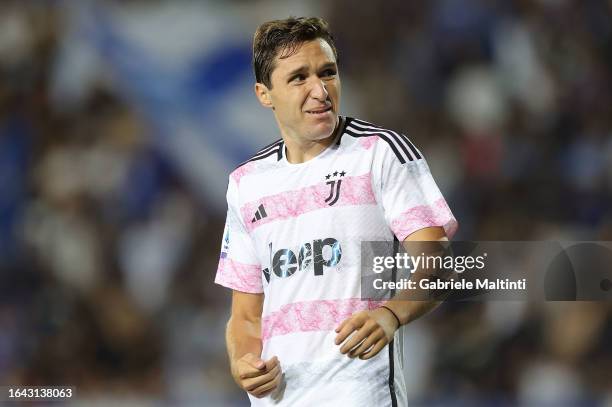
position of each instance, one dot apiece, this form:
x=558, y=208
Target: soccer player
x=299, y=333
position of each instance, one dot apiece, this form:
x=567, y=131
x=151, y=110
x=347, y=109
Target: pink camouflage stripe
x=239, y=276
x=355, y=190
x=422, y=216
x=311, y=316
x=240, y=172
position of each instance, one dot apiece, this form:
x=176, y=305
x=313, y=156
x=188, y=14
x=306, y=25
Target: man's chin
x=323, y=129
x=321, y=135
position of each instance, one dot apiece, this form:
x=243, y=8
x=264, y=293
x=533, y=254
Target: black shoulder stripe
x=405, y=144
x=399, y=139
x=347, y=121
x=268, y=154
x=274, y=148
x=415, y=150
x=367, y=124
x=267, y=148
x=394, y=136
x=359, y=133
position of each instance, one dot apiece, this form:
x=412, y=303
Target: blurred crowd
x=511, y=101
x=107, y=254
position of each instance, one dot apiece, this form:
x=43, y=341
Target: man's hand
x=256, y=376
x=371, y=330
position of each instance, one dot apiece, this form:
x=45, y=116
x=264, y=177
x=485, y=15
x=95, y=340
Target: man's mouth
x=319, y=111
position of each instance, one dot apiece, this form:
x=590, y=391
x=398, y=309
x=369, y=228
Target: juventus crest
x=334, y=182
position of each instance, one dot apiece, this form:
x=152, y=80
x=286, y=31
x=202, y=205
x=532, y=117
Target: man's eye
x=329, y=72
x=298, y=78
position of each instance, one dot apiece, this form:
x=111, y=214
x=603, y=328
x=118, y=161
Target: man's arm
x=408, y=311
x=243, y=338
x=375, y=328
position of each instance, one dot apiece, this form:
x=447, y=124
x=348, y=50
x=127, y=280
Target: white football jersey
x=293, y=232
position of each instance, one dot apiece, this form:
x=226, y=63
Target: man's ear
x=263, y=94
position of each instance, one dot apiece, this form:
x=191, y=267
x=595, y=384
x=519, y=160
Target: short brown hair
x=287, y=35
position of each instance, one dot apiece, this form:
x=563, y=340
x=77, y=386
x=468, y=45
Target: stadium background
x=120, y=120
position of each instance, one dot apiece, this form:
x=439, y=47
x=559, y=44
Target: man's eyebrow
x=329, y=65
x=297, y=70
x=304, y=68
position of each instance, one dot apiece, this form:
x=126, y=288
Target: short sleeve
x=410, y=198
x=238, y=267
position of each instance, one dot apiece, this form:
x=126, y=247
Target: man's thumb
x=254, y=361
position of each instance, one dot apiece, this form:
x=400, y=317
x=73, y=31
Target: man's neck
x=300, y=151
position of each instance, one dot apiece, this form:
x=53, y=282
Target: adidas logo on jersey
x=259, y=214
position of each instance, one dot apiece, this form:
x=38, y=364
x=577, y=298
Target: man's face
x=305, y=92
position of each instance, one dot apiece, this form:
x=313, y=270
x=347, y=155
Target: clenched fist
x=256, y=376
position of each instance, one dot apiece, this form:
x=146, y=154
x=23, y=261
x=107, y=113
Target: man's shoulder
x=270, y=155
x=369, y=134
x=271, y=152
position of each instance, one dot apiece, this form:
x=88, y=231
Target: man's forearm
x=412, y=305
x=242, y=336
x=408, y=311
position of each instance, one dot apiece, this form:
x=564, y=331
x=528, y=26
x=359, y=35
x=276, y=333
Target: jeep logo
x=284, y=262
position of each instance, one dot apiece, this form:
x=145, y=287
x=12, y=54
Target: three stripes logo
x=334, y=183
x=259, y=214
x=402, y=147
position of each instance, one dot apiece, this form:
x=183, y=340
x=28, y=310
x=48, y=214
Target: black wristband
x=392, y=313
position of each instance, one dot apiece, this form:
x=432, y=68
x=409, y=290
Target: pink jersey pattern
x=312, y=316
x=356, y=190
x=368, y=142
x=423, y=216
x=242, y=277
x=242, y=171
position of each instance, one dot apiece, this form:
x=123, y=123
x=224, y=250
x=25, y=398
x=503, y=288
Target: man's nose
x=318, y=90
